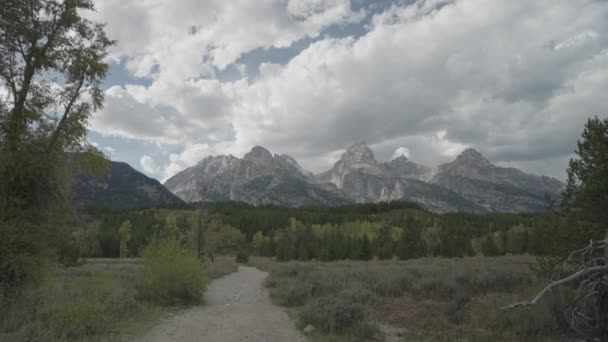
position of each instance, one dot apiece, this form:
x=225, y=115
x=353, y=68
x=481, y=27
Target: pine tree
x=586, y=191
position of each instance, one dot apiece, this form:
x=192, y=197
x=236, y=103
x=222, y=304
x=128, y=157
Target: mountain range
x=470, y=183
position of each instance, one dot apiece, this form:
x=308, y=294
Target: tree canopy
x=51, y=69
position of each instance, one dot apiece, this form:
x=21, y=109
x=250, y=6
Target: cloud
x=401, y=151
x=510, y=78
x=192, y=37
x=148, y=164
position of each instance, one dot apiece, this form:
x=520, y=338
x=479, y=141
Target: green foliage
x=267, y=218
x=171, y=274
x=365, y=253
x=145, y=225
x=242, y=257
x=87, y=239
x=66, y=249
x=431, y=236
x=516, y=239
x=222, y=238
x=77, y=304
x=262, y=244
x=23, y=254
x=41, y=126
x=125, y=236
x=81, y=319
x=587, y=187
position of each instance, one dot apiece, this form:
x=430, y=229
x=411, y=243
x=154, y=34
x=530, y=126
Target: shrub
x=333, y=314
x=242, y=257
x=80, y=319
x=391, y=284
x=171, y=274
x=297, y=294
x=74, y=305
x=539, y=321
x=455, y=312
x=359, y=294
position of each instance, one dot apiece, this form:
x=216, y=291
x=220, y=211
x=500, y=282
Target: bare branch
x=577, y=275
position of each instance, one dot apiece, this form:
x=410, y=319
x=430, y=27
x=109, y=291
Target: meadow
x=426, y=299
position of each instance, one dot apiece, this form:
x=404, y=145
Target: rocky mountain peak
x=469, y=183
x=359, y=153
x=472, y=157
x=400, y=159
x=402, y=167
x=259, y=154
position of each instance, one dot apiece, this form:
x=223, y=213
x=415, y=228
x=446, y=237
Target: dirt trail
x=237, y=308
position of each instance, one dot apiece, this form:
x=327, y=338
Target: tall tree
x=587, y=187
x=51, y=68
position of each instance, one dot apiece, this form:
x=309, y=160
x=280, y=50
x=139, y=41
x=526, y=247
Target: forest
x=359, y=232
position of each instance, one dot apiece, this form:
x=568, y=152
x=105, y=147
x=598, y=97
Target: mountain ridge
x=469, y=183
x=120, y=187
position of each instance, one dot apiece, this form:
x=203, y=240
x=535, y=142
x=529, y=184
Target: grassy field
x=96, y=301
x=428, y=299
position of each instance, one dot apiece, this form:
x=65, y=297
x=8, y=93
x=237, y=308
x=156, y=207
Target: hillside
x=121, y=187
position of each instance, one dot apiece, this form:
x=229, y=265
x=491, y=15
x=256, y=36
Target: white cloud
x=188, y=37
x=109, y=149
x=510, y=78
x=189, y=156
x=148, y=164
x=401, y=151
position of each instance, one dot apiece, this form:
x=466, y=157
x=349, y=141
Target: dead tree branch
x=587, y=270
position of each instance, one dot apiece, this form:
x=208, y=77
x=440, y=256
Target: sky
x=515, y=80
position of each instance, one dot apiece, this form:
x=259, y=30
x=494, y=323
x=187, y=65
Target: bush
x=455, y=312
x=392, y=284
x=80, y=319
x=171, y=274
x=297, y=294
x=359, y=294
x=74, y=305
x=242, y=257
x=333, y=314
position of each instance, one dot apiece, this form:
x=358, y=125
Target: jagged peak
x=258, y=153
x=472, y=156
x=359, y=153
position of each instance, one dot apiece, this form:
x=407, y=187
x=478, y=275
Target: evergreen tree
x=587, y=187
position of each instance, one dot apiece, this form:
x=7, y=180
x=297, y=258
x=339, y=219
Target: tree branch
x=66, y=113
x=574, y=276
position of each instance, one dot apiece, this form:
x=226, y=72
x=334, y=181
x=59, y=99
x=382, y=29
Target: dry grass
x=96, y=301
x=430, y=299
